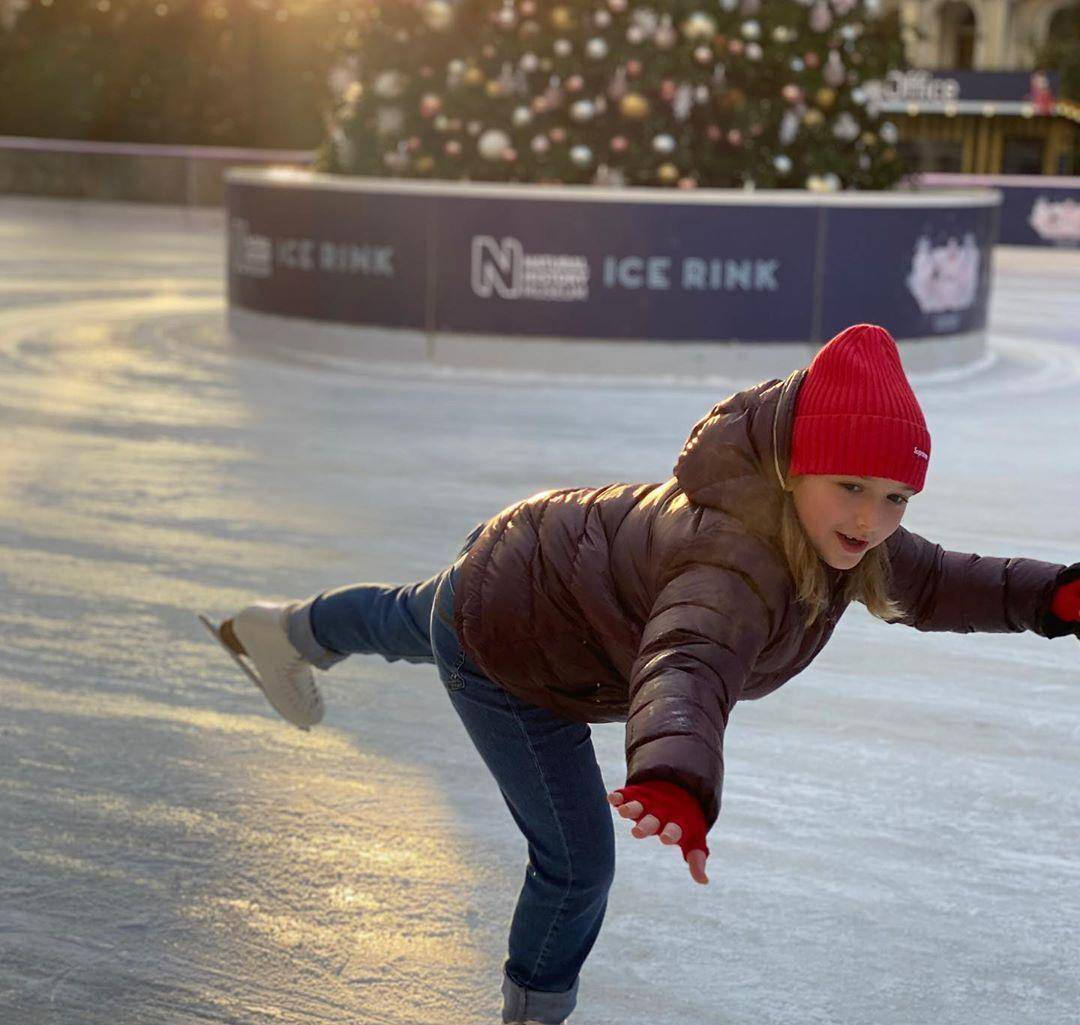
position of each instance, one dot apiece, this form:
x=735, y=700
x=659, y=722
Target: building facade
x=977, y=102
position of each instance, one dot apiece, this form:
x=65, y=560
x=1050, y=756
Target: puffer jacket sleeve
x=961, y=592
x=706, y=629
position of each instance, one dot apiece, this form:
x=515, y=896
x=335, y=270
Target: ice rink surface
x=899, y=838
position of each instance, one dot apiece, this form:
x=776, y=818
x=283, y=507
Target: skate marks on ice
x=163, y=863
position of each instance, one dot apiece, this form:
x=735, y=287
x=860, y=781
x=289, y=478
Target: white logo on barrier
x=503, y=269
x=1056, y=221
x=253, y=255
x=945, y=279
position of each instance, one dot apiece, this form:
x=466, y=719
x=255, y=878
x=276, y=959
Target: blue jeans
x=544, y=765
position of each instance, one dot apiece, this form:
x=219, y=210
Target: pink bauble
x=575, y=83
x=452, y=148
x=619, y=143
x=734, y=137
x=735, y=47
x=557, y=134
x=811, y=59
x=430, y=105
x=633, y=68
x=667, y=89
x=509, y=154
x=714, y=133
x=687, y=183
x=792, y=93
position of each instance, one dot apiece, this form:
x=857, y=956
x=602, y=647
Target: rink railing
x=471, y=272
x=142, y=172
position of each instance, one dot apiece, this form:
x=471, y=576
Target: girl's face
x=866, y=508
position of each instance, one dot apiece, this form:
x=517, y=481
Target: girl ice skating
x=660, y=605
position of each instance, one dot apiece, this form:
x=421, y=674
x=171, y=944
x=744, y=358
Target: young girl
x=660, y=605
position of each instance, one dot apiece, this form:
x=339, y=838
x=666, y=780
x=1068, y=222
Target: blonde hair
x=868, y=582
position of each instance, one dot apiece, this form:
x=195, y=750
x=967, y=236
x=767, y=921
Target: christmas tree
x=734, y=93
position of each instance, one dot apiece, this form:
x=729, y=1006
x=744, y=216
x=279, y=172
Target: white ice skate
x=276, y=667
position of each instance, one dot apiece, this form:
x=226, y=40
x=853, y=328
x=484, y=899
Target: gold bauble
x=825, y=97
x=634, y=106
x=667, y=173
x=868, y=139
x=473, y=76
x=562, y=18
x=438, y=15
x=813, y=117
x=425, y=165
x=493, y=88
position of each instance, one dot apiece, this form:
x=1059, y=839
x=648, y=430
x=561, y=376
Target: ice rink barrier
x=1036, y=210
x=551, y=277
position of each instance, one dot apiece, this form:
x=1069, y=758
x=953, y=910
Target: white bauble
x=601, y=19
x=830, y=182
x=754, y=52
x=635, y=35
x=782, y=163
x=583, y=110
x=491, y=144
x=663, y=143
x=596, y=48
x=389, y=85
x=750, y=30
x=438, y=15
x=845, y=127
x=540, y=144
x=699, y=26
x=521, y=116
x=529, y=62
x=581, y=156
x=889, y=133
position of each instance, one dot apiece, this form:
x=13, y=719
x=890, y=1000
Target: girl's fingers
x=646, y=826
x=631, y=810
x=672, y=833
x=696, y=861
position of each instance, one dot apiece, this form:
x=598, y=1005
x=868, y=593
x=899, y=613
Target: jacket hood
x=737, y=456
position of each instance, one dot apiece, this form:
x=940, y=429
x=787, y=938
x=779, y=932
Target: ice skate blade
x=251, y=674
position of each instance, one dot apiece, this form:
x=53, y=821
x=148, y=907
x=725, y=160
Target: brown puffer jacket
x=661, y=605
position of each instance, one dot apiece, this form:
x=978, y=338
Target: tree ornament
x=796, y=64
x=735, y=47
x=506, y=18
x=792, y=93
x=635, y=35
x=825, y=97
x=784, y=34
x=430, y=105
x=389, y=120
x=820, y=17
x=389, y=85
x=734, y=137
x=521, y=117
x=859, y=96
x=663, y=143
x=830, y=182
x=473, y=76
x=562, y=18
x=563, y=47
x=703, y=55
x=540, y=144
x=596, y=48
x=667, y=173
x=425, y=165
x=438, y=15
x=580, y=156
x=750, y=30
x=844, y=7
x=633, y=68
x=452, y=148
x=688, y=183
x=618, y=6
x=583, y=110
x=529, y=62
x=813, y=118
x=557, y=135
x=634, y=106
x=833, y=72
x=811, y=59
x=665, y=36
x=619, y=144
x=845, y=127
x=889, y=133
x=699, y=26
x=667, y=90
x=754, y=52
x=491, y=144
x=789, y=127
x=714, y=133
x=575, y=83
x=601, y=18
x=493, y=89
x=782, y=163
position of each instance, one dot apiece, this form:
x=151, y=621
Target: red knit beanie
x=856, y=412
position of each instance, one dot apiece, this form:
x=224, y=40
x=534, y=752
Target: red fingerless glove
x=670, y=803
x=1066, y=603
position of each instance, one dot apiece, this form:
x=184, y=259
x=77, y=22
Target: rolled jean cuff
x=521, y=1004
x=302, y=637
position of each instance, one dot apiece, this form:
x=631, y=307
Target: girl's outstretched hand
x=669, y=810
